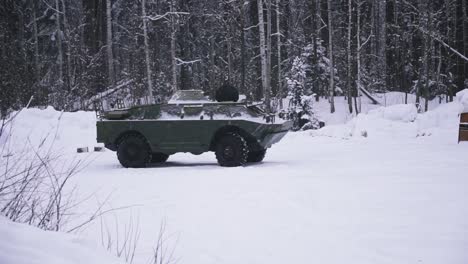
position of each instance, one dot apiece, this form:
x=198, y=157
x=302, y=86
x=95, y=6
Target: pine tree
x=300, y=104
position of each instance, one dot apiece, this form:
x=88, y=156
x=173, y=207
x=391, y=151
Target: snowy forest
x=64, y=53
x=345, y=139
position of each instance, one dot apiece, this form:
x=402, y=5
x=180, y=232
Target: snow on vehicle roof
x=188, y=95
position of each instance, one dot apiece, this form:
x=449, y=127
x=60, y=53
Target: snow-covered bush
x=123, y=242
x=300, y=104
x=32, y=180
x=317, y=70
x=462, y=98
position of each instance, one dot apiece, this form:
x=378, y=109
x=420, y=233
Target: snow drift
x=34, y=133
x=23, y=244
x=402, y=121
x=66, y=131
x=462, y=98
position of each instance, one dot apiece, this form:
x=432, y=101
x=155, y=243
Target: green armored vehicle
x=237, y=132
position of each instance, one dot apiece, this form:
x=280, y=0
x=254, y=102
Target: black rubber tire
x=256, y=156
x=133, y=151
x=159, y=157
x=232, y=150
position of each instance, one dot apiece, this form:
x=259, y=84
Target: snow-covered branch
x=443, y=44
x=182, y=62
x=159, y=17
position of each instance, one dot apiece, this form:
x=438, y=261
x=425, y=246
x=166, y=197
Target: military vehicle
x=238, y=132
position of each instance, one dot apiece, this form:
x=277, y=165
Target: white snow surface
x=462, y=98
x=23, y=244
x=402, y=121
x=399, y=112
x=67, y=130
x=388, y=186
x=342, y=115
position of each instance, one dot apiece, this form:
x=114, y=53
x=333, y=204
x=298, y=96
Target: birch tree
x=358, y=54
x=37, y=66
x=348, y=51
x=149, y=72
x=68, y=45
x=278, y=50
x=243, y=48
x=268, y=44
x=58, y=38
x=109, y=44
x=263, y=55
x=173, y=48
x=382, y=42
x=332, y=66
x=465, y=37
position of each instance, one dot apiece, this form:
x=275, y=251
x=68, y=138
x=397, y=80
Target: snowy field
x=389, y=186
x=314, y=200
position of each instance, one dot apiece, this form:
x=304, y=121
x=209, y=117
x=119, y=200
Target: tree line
x=64, y=53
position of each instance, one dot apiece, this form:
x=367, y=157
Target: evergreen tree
x=301, y=99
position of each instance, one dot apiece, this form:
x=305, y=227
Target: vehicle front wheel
x=133, y=151
x=159, y=157
x=232, y=150
x=256, y=156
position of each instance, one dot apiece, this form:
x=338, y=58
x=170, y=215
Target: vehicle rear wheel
x=232, y=150
x=133, y=151
x=256, y=156
x=159, y=157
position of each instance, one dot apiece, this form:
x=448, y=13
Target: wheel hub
x=228, y=152
x=132, y=151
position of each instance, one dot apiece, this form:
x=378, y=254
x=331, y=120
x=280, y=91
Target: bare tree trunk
x=382, y=68
x=317, y=20
x=37, y=66
x=109, y=46
x=398, y=79
x=332, y=67
x=418, y=96
x=430, y=66
x=424, y=74
x=465, y=37
x=149, y=72
x=173, y=49
x=449, y=60
x=263, y=55
x=348, y=51
x=242, y=22
x=229, y=57
x=212, y=63
x=278, y=35
x=69, y=63
x=439, y=66
x=58, y=36
x=358, y=56
x=268, y=51
x=454, y=37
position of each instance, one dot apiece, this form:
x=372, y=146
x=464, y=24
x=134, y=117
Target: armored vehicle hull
x=236, y=132
x=194, y=136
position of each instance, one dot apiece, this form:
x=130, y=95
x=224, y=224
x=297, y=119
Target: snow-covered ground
x=22, y=244
x=314, y=200
x=389, y=186
x=342, y=115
